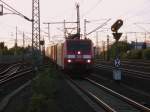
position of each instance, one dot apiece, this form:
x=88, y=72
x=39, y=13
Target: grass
x=44, y=91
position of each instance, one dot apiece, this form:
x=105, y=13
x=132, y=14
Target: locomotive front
x=79, y=55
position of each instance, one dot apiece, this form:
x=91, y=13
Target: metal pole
x=108, y=48
x=96, y=39
x=23, y=45
x=117, y=52
x=23, y=40
x=145, y=36
x=126, y=38
x=97, y=44
x=78, y=20
x=103, y=50
x=49, y=32
x=36, y=48
x=48, y=27
x=16, y=36
x=65, y=28
x=135, y=41
x=39, y=26
x=16, y=41
x=85, y=28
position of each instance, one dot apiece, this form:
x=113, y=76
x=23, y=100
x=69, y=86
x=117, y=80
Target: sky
x=95, y=11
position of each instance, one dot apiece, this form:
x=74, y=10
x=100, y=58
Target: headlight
x=69, y=60
x=88, y=61
x=79, y=52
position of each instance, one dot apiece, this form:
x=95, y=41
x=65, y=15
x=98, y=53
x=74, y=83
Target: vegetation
x=134, y=54
x=122, y=48
x=16, y=50
x=44, y=91
x=127, y=52
x=146, y=54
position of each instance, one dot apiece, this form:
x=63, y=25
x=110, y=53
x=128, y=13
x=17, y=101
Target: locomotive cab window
x=79, y=45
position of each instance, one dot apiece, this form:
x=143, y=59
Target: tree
x=123, y=47
x=3, y=48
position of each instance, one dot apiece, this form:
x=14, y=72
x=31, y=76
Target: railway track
x=136, y=61
x=128, y=72
x=14, y=81
x=138, y=80
x=127, y=90
x=13, y=72
x=9, y=68
x=133, y=65
x=13, y=76
x=3, y=67
x=106, y=98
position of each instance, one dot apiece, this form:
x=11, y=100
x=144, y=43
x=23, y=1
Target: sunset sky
x=96, y=11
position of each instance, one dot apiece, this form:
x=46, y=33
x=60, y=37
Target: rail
x=133, y=103
x=140, y=74
x=95, y=98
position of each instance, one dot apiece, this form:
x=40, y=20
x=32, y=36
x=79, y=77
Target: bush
x=124, y=55
x=146, y=54
x=123, y=47
x=135, y=54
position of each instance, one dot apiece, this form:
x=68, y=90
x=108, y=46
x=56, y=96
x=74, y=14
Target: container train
x=74, y=55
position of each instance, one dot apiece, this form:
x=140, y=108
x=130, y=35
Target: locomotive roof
x=78, y=40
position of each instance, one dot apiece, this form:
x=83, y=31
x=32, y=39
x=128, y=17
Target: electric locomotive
x=79, y=55
x=74, y=55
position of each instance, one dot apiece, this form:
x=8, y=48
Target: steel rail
x=128, y=100
x=93, y=97
x=9, y=77
x=145, y=66
x=15, y=76
x=11, y=74
x=8, y=74
x=125, y=61
x=144, y=75
x=2, y=73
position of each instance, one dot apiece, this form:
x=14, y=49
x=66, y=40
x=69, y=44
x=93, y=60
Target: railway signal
x=117, y=36
x=116, y=26
x=117, y=71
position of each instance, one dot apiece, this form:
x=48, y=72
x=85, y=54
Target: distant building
x=140, y=45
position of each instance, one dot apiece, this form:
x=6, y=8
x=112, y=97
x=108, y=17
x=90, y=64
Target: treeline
x=16, y=50
x=126, y=51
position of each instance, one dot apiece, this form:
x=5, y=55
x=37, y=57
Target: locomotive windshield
x=79, y=45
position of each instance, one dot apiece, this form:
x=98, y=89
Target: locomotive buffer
x=117, y=70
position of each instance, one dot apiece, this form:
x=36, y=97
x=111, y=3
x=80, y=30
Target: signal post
x=117, y=70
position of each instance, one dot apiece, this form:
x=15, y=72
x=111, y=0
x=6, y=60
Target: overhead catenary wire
x=11, y=8
x=7, y=9
x=15, y=11
x=105, y=23
x=92, y=8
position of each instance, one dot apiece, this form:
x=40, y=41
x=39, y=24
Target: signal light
x=115, y=27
